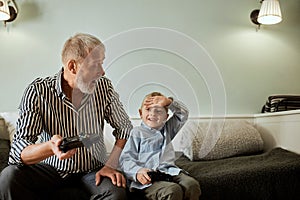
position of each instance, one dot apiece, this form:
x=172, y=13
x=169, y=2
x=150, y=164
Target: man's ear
x=72, y=67
x=140, y=111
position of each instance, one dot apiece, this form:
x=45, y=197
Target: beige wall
x=207, y=53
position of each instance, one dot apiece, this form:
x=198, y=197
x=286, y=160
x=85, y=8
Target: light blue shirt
x=152, y=148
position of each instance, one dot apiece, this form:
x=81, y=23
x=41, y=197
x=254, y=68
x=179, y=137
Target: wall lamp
x=268, y=14
x=8, y=11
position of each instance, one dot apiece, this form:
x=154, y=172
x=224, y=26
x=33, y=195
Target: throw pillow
x=219, y=139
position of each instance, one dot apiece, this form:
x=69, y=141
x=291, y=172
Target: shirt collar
x=59, y=90
x=58, y=86
x=152, y=129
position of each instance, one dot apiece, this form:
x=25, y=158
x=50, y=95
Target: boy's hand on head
x=161, y=101
x=142, y=176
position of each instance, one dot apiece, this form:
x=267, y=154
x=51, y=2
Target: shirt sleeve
x=28, y=127
x=179, y=117
x=129, y=157
x=117, y=117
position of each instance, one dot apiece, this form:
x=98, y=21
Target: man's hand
x=35, y=153
x=55, y=142
x=116, y=177
x=143, y=177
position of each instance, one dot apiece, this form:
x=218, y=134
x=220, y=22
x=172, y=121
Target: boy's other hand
x=142, y=176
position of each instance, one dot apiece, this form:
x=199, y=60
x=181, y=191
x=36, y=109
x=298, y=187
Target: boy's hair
x=153, y=94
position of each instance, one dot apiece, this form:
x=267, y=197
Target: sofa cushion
x=10, y=122
x=4, y=152
x=219, y=139
x=3, y=129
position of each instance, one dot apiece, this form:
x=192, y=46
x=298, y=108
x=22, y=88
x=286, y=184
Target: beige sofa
x=212, y=170
x=7, y=129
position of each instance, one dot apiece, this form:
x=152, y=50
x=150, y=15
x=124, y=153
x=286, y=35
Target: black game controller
x=80, y=140
x=70, y=143
x=159, y=176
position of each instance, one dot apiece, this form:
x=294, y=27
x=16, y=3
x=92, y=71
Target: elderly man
x=76, y=101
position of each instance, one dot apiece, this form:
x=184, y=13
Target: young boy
x=149, y=149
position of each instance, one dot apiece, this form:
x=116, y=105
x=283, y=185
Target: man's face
x=90, y=71
x=155, y=117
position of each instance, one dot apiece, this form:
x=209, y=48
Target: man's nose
x=101, y=72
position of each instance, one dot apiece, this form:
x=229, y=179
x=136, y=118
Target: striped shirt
x=46, y=111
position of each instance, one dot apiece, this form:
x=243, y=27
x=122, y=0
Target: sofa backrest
x=3, y=130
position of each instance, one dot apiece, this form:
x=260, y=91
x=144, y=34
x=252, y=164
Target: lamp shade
x=4, y=10
x=269, y=12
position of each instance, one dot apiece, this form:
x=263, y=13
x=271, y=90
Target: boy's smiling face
x=154, y=116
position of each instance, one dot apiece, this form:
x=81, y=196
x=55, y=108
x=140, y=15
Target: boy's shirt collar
x=143, y=124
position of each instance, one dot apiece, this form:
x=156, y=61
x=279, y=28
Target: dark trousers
x=41, y=181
